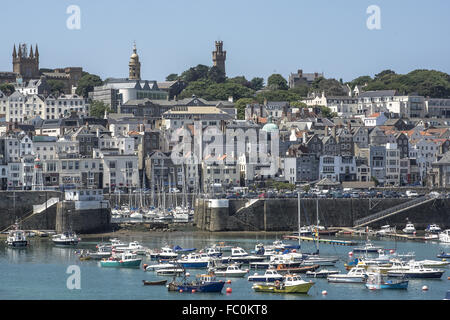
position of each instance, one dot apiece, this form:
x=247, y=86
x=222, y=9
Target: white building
x=392, y=165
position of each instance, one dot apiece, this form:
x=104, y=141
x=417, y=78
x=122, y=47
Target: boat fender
x=277, y=283
x=324, y=292
x=424, y=288
x=229, y=290
x=121, y=261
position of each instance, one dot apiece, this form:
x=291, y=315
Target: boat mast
x=299, y=215
x=317, y=227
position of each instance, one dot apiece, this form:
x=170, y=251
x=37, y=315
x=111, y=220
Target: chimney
x=230, y=99
x=304, y=137
x=349, y=126
x=300, y=73
x=98, y=133
x=333, y=131
x=326, y=131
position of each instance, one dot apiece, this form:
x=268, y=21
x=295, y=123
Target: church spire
x=14, y=52
x=31, y=51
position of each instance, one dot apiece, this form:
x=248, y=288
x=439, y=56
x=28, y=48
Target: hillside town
x=53, y=141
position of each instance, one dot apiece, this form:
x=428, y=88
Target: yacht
x=193, y=260
x=240, y=255
x=67, y=238
x=355, y=275
x=16, y=238
x=417, y=270
x=433, y=228
x=231, y=271
x=367, y=248
x=270, y=275
x=444, y=236
x=409, y=229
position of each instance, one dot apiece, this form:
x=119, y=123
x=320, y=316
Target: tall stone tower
x=26, y=65
x=219, y=56
x=134, y=66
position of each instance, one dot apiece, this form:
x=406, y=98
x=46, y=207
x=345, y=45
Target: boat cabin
x=238, y=252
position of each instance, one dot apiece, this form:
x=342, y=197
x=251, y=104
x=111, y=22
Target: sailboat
x=316, y=258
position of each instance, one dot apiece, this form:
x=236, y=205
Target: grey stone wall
x=282, y=214
x=81, y=221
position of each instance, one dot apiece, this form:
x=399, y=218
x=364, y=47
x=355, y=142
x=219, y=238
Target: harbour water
x=40, y=272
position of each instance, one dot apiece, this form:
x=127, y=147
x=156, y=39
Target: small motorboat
x=409, y=229
x=170, y=272
x=417, y=271
x=102, y=252
x=67, y=238
x=433, y=263
x=154, y=283
x=165, y=253
x=290, y=284
x=355, y=275
x=321, y=274
x=376, y=281
x=271, y=275
x=443, y=255
x=16, y=238
x=133, y=246
x=213, y=252
x=231, y=271
x=433, y=228
x=367, y=248
x=282, y=268
x=385, y=230
x=178, y=249
x=124, y=260
x=240, y=255
x=194, y=260
x=159, y=266
x=203, y=283
x=444, y=236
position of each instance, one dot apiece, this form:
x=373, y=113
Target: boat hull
x=124, y=264
x=338, y=279
x=216, y=286
x=239, y=274
x=299, y=288
x=263, y=278
x=416, y=275
x=18, y=244
x=388, y=285
x=65, y=243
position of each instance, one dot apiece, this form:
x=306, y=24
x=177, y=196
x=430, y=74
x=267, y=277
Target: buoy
x=247, y=270
x=391, y=251
x=228, y=281
x=350, y=253
x=294, y=250
x=193, y=290
x=324, y=292
x=229, y=290
x=424, y=288
x=448, y=278
x=188, y=274
x=145, y=266
x=181, y=290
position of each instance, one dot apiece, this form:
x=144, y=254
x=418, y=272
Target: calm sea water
x=40, y=272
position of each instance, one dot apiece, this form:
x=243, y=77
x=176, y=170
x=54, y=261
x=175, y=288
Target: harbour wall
x=18, y=205
x=282, y=214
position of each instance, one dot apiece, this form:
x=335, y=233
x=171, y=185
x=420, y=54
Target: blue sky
x=260, y=37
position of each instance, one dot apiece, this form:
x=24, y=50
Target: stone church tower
x=134, y=66
x=24, y=64
x=219, y=56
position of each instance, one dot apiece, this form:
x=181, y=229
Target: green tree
x=257, y=83
x=216, y=75
x=97, y=109
x=277, y=95
x=331, y=87
x=360, y=81
x=56, y=87
x=87, y=83
x=172, y=77
x=195, y=73
x=7, y=88
x=327, y=113
x=298, y=104
x=277, y=82
x=240, y=80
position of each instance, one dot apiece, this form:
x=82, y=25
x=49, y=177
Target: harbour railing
x=393, y=210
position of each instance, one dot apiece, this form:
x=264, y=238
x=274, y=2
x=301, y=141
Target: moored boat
x=416, y=270
x=367, y=248
x=444, y=236
x=376, y=281
x=271, y=275
x=281, y=268
x=124, y=260
x=290, y=284
x=355, y=275
x=321, y=273
x=203, y=283
x=154, y=283
x=231, y=271
x=16, y=238
x=67, y=238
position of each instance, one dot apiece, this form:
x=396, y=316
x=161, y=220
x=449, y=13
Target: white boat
x=240, y=255
x=231, y=271
x=368, y=248
x=159, y=266
x=133, y=246
x=355, y=275
x=433, y=263
x=102, y=252
x=433, y=228
x=213, y=252
x=170, y=272
x=409, y=229
x=417, y=270
x=117, y=244
x=193, y=260
x=387, y=229
x=16, y=238
x=270, y=275
x=165, y=253
x=444, y=236
x=137, y=215
x=67, y=238
x=321, y=274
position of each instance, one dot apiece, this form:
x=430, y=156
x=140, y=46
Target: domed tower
x=134, y=66
x=219, y=56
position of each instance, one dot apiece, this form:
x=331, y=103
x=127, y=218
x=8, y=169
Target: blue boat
x=180, y=249
x=444, y=255
x=375, y=282
x=193, y=261
x=203, y=283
